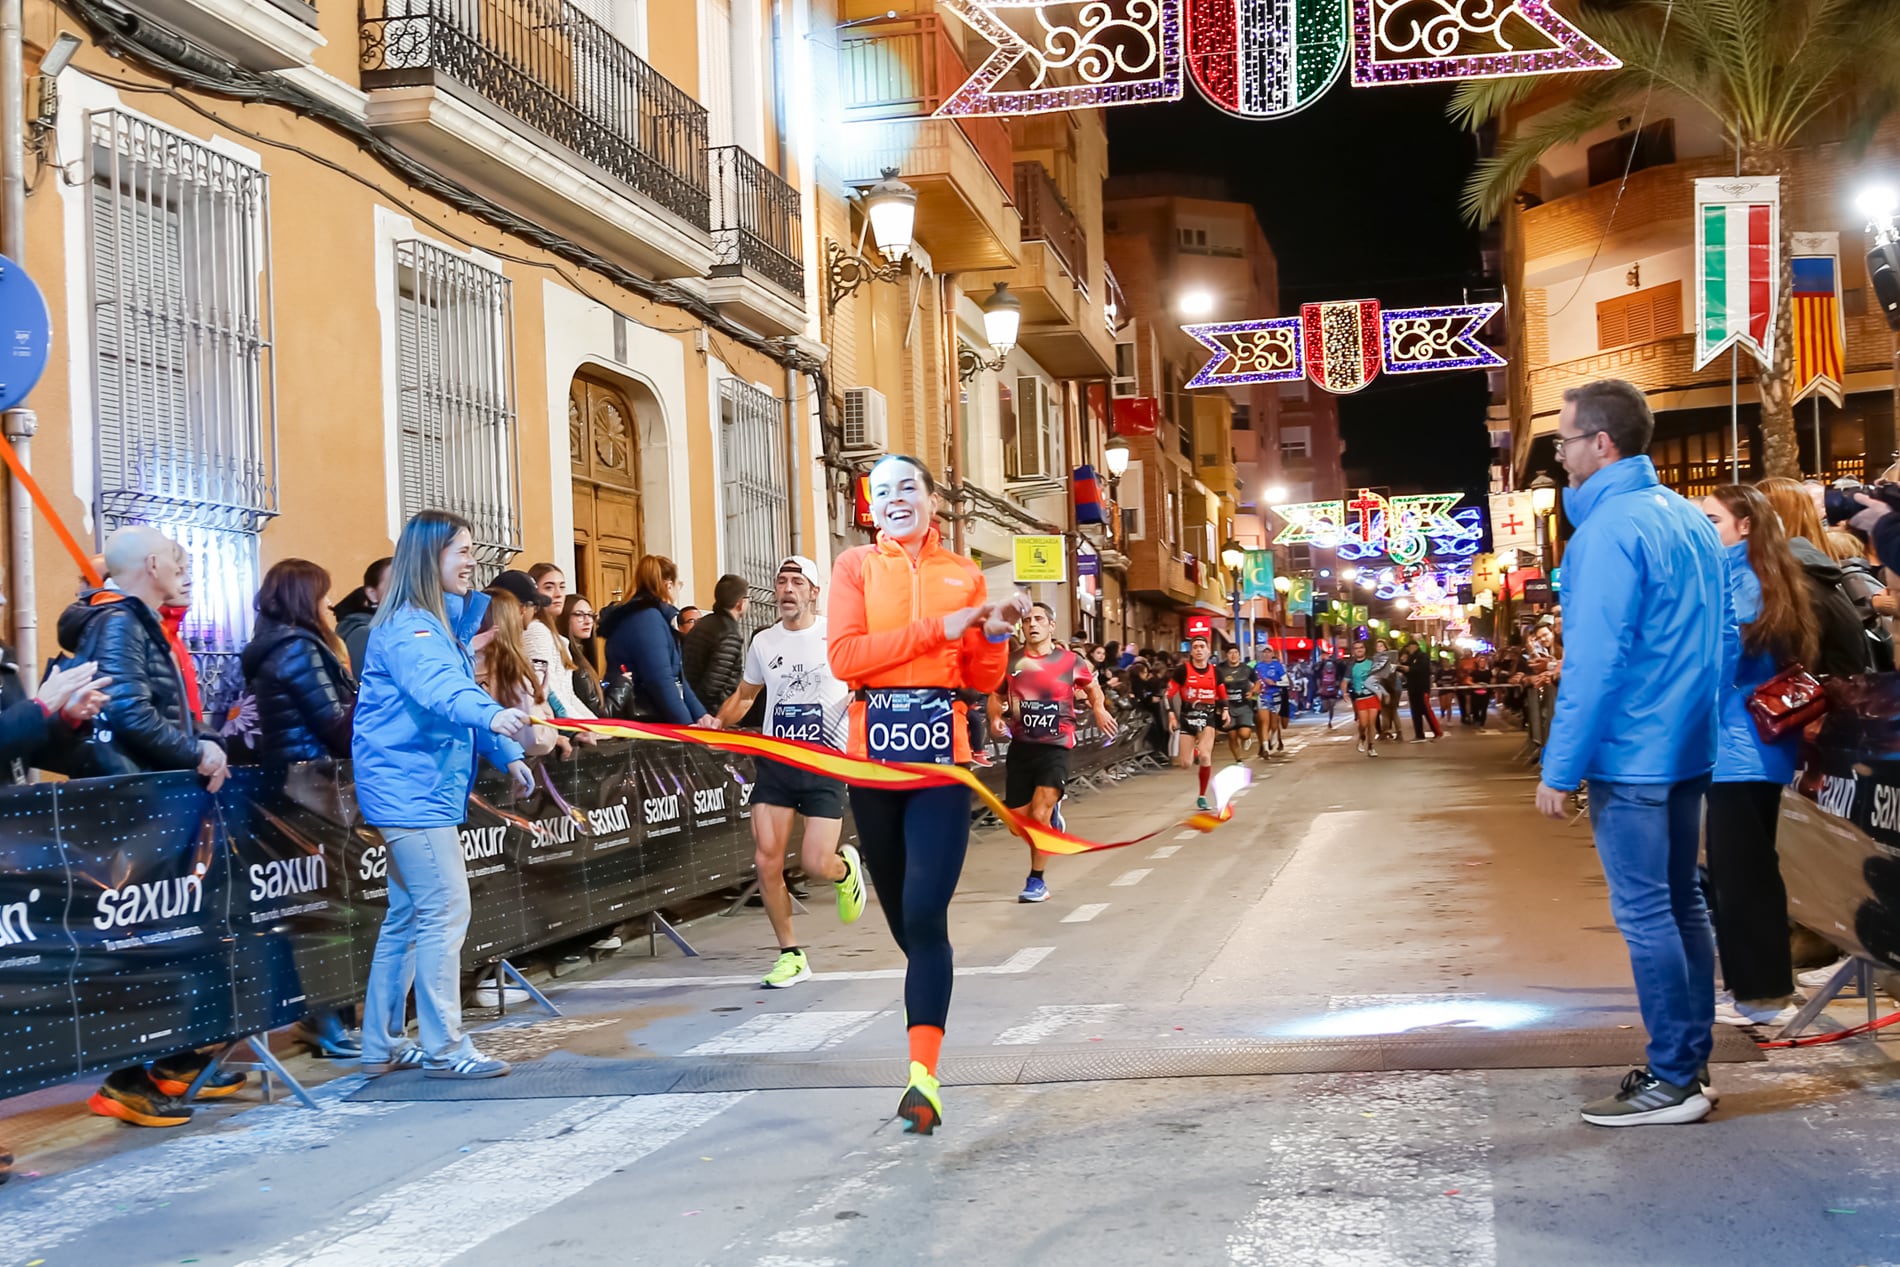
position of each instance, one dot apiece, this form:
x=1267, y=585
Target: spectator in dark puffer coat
x=643, y=656
x=713, y=651
x=357, y=610
x=305, y=697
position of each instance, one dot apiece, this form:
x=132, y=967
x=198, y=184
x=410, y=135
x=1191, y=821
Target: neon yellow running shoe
x=922, y=1105
x=790, y=969
x=851, y=888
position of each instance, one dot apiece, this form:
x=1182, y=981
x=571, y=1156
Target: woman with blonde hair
x=1844, y=649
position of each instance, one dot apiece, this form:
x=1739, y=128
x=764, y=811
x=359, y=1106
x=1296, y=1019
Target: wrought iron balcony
x=755, y=220
x=558, y=71
x=1047, y=218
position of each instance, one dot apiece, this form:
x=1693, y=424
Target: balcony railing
x=560, y=72
x=1115, y=303
x=904, y=69
x=755, y=219
x=1047, y=218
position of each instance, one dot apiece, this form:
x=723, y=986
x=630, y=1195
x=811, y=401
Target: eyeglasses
x=1564, y=439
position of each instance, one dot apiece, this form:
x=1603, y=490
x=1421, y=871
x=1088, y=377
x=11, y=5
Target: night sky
x=1359, y=197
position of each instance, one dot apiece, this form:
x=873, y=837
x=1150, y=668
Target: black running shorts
x=1034, y=765
x=812, y=795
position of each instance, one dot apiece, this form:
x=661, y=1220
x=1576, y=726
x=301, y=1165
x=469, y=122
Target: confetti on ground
x=689, y=1214
x=1832, y=1210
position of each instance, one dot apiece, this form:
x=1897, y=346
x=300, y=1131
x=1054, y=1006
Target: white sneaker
x=1728, y=1011
x=1817, y=978
x=487, y=996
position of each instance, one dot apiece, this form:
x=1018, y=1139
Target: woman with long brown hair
x=505, y=670
x=294, y=666
x=576, y=626
x=1772, y=626
x=1844, y=649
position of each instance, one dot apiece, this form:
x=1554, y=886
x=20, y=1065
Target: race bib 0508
x=910, y=724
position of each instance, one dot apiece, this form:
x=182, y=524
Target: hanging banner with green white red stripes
x=1738, y=265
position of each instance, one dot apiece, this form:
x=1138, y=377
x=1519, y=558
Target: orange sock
x=926, y=1044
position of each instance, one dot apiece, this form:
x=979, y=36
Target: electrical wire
x=1834, y=1036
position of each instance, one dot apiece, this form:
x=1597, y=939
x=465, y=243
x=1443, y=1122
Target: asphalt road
x=1349, y=898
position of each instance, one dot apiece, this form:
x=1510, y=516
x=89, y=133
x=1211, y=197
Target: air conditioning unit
x=865, y=429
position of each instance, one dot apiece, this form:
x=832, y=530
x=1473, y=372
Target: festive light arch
x=1343, y=345
x=1406, y=529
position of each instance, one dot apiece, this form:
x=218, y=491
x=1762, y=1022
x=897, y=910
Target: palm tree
x=1765, y=69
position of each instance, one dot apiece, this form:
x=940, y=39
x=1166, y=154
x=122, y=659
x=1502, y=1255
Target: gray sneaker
x=1646, y=1100
x=409, y=1057
x=474, y=1065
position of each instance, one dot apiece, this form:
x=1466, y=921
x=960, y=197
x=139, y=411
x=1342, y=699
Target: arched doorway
x=603, y=449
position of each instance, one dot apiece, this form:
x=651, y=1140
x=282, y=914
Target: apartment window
x=456, y=396
x=1190, y=239
x=1127, y=380
x=1134, y=498
x=184, y=408
x=1653, y=145
x=752, y=447
x=1032, y=438
x=1642, y=316
x=1296, y=443
x=1243, y=418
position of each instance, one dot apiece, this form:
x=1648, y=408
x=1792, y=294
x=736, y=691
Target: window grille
x=456, y=397
x=184, y=401
x=753, y=440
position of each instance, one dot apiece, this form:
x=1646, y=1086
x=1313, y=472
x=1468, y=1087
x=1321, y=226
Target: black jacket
x=1418, y=671
x=25, y=729
x=353, y=617
x=713, y=657
x=1860, y=584
x=1844, y=647
x=146, y=723
x=304, y=695
x=643, y=654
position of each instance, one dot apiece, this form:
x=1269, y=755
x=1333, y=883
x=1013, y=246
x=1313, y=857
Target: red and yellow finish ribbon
x=858, y=772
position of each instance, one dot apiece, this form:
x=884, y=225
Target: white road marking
x=1128, y=879
x=1021, y=961
x=1187, y=835
x=1379, y=1168
x=462, y=1205
x=1083, y=914
x=1051, y=1020
x=1166, y=851
x=50, y=1212
x=785, y=1031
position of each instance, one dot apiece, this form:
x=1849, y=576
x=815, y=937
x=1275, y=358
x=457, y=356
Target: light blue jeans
x=1646, y=836
x=421, y=941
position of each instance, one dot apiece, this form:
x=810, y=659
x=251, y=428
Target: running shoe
x=1729, y=1011
x=981, y=759
x=1056, y=820
x=1372, y=752
x=922, y=1105
x=409, y=1057
x=1646, y=1100
x=175, y=1074
x=469, y=1067
x=1817, y=978
x=1200, y=802
x=850, y=889
x=131, y=1096
x=1034, y=890
x=790, y=969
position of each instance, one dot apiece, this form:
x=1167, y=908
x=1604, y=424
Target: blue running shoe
x=1055, y=818
x=1034, y=890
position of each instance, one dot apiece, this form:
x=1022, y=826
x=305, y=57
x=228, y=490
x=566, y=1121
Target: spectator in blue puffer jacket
x=642, y=648
x=1774, y=627
x=420, y=721
x=1645, y=607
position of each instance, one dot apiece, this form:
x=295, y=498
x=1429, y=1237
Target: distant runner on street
x=1197, y=707
x=1243, y=694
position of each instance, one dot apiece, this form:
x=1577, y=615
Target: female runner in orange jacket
x=911, y=624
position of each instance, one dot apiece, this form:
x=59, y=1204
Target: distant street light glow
x=1197, y=303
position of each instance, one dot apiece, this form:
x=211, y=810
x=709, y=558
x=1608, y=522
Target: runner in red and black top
x=1039, y=722
x=1197, y=706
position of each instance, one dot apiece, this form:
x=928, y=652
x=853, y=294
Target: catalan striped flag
x=1820, y=332
x=1738, y=248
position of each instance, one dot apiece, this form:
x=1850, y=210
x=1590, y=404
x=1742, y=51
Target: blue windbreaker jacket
x=421, y=720
x=1741, y=756
x=1645, y=603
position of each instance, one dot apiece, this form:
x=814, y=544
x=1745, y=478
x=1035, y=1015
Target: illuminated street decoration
x=1410, y=41
x=1406, y=529
x=1343, y=345
x=1258, y=59
x=1102, y=53
x=1265, y=59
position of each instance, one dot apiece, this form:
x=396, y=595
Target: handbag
x=1786, y=703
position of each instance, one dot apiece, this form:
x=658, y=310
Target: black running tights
x=913, y=845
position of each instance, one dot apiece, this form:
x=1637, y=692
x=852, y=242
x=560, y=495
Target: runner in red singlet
x=1198, y=708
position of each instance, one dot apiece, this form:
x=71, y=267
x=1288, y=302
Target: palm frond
x=1497, y=179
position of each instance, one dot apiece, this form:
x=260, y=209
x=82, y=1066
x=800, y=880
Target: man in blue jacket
x=1636, y=717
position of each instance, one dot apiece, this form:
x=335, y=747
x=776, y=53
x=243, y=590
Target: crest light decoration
x=1102, y=53
x=1406, y=529
x=1265, y=59
x=1344, y=345
x=1411, y=41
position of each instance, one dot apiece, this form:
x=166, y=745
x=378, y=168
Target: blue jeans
x=1646, y=835
x=421, y=938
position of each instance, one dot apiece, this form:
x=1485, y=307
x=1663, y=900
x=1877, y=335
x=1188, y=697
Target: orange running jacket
x=885, y=623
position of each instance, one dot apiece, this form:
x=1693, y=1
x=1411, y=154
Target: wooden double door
x=603, y=449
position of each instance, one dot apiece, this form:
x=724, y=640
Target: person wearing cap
x=803, y=701
x=712, y=652
x=553, y=671
x=1198, y=706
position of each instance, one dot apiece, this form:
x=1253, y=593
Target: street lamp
x=1543, y=501
x=1002, y=318
x=1276, y=494
x=1196, y=303
x=1234, y=555
x=1115, y=454
x=890, y=206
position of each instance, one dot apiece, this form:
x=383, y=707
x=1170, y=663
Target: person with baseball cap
x=1197, y=705
x=803, y=701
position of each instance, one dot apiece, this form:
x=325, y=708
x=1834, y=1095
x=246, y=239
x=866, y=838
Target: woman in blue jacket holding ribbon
x=421, y=721
x=1773, y=628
